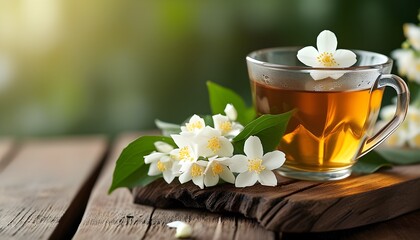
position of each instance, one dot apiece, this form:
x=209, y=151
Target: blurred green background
x=101, y=66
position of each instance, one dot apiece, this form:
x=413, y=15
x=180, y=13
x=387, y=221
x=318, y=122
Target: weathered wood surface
x=46, y=182
x=39, y=188
x=115, y=216
x=301, y=206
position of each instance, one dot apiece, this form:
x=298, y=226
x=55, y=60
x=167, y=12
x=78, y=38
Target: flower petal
x=153, y=170
x=185, y=177
x=273, y=160
x=226, y=148
x=344, y=58
x=199, y=181
x=319, y=74
x=267, y=178
x=308, y=56
x=231, y=112
x=326, y=42
x=163, y=147
x=182, y=140
x=175, y=224
x=153, y=157
x=253, y=148
x=168, y=176
x=210, y=179
x=238, y=163
x=246, y=179
x=227, y=175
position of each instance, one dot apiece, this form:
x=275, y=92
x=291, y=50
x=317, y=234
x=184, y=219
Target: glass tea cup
x=334, y=118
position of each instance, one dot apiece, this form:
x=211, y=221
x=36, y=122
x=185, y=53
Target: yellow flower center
x=161, y=166
x=216, y=169
x=327, y=59
x=196, y=170
x=213, y=144
x=255, y=165
x=225, y=127
x=418, y=67
x=184, y=153
x=194, y=125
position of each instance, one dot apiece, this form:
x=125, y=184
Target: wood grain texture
x=41, y=182
x=402, y=228
x=115, y=216
x=301, y=206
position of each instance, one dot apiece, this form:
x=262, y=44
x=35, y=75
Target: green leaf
x=268, y=128
x=130, y=169
x=167, y=128
x=220, y=96
x=400, y=156
x=370, y=163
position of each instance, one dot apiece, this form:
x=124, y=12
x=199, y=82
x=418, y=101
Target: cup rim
x=251, y=58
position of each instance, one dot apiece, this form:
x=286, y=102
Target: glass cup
x=334, y=119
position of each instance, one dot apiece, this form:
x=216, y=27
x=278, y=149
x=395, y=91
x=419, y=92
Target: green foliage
x=400, y=156
x=130, y=169
x=370, y=163
x=220, y=96
x=386, y=157
x=269, y=128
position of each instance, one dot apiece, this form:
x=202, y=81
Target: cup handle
x=403, y=96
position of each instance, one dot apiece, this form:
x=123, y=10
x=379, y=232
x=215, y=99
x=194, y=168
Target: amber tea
x=327, y=129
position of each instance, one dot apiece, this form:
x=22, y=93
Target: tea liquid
x=328, y=128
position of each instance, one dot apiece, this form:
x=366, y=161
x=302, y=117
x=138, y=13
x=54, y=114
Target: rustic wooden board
x=301, y=206
x=40, y=187
x=116, y=217
x=403, y=227
x=7, y=148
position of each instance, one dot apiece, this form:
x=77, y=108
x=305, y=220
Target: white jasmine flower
x=211, y=143
x=169, y=169
x=194, y=125
x=231, y=112
x=256, y=166
x=183, y=229
x=412, y=32
x=398, y=138
x=185, y=153
x=193, y=171
x=327, y=55
x=404, y=60
x=226, y=126
x=217, y=168
x=161, y=162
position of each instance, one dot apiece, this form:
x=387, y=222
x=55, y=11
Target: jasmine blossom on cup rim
x=326, y=56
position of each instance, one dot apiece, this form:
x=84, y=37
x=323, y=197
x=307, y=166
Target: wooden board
x=40, y=188
x=301, y=206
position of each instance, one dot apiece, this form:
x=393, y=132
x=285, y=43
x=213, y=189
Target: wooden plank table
x=56, y=188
